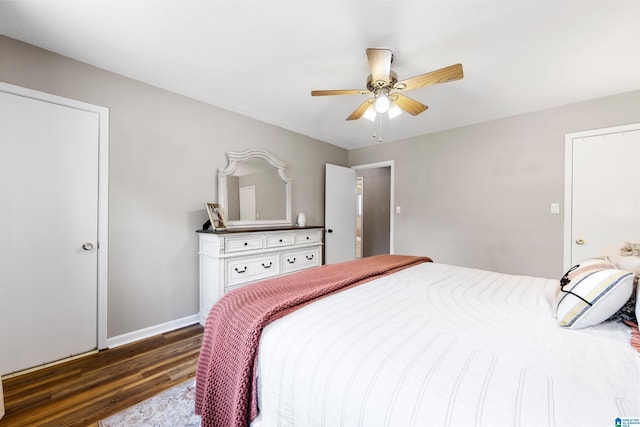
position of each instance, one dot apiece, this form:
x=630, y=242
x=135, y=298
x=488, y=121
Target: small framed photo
x=216, y=216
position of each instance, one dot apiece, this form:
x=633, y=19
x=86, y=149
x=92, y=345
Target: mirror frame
x=233, y=159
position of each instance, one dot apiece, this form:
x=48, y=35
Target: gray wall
x=480, y=196
x=165, y=150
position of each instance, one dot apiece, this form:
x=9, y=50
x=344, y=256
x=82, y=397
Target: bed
x=402, y=341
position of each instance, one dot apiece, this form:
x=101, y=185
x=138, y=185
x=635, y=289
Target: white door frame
x=391, y=164
x=103, y=192
x=569, y=140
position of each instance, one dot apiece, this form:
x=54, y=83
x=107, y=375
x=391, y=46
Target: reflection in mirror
x=254, y=190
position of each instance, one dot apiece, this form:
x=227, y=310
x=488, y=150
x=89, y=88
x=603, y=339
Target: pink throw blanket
x=225, y=380
x=635, y=335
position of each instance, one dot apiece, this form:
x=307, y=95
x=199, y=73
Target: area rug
x=171, y=408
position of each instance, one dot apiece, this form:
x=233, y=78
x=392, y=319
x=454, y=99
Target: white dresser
x=233, y=258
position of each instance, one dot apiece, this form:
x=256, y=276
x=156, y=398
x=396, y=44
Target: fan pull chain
x=377, y=123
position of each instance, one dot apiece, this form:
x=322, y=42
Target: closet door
x=49, y=181
x=603, y=199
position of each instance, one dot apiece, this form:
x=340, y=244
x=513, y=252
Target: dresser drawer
x=300, y=259
x=242, y=243
x=278, y=240
x=235, y=258
x=304, y=236
x=251, y=268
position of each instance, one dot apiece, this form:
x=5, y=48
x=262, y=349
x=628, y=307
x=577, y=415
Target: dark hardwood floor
x=83, y=391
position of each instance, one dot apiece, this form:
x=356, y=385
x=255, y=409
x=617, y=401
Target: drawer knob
x=241, y=271
x=280, y=240
x=246, y=244
x=267, y=266
x=309, y=257
x=307, y=237
x=291, y=261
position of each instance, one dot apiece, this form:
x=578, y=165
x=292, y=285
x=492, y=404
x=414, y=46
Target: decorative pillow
x=629, y=263
x=637, y=303
x=590, y=264
x=591, y=292
x=628, y=311
x=585, y=266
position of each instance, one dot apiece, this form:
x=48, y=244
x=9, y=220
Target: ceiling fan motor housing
x=379, y=84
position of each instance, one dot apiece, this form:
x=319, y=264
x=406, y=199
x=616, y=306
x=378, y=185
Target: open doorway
x=374, y=215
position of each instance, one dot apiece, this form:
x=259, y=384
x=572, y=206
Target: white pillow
x=638, y=304
x=585, y=266
x=589, y=264
x=592, y=296
x=629, y=263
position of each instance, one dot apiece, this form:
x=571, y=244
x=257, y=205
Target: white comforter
x=439, y=345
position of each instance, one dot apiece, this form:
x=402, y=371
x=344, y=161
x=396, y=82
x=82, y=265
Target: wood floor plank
x=81, y=392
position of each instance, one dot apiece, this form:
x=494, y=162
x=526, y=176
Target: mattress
x=441, y=345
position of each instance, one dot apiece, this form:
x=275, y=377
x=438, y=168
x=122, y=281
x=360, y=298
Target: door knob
x=580, y=242
x=87, y=246
x=329, y=230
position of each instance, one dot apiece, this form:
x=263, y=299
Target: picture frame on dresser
x=216, y=216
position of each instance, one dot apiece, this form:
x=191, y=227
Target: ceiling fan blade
x=409, y=105
x=443, y=75
x=379, y=64
x=359, y=112
x=340, y=92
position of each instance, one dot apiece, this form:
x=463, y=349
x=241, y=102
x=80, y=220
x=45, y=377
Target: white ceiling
x=262, y=58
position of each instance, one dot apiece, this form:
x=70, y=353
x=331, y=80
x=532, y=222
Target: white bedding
x=439, y=345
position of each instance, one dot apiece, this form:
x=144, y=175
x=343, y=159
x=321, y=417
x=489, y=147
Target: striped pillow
x=638, y=305
x=586, y=265
x=590, y=264
x=589, y=295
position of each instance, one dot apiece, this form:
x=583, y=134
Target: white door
x=248, y=203
x=49, y=181
x=340, y=214
x=603, y=205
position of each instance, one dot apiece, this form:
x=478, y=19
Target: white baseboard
x=130, y=337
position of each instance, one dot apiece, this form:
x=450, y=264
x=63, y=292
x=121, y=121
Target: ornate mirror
x=254, y=190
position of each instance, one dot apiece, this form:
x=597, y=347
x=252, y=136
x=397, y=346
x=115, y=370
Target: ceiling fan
x=386, y=89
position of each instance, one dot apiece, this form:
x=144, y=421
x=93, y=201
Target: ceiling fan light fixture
x=382, y=103
x=370, y=113
x=394, y=111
